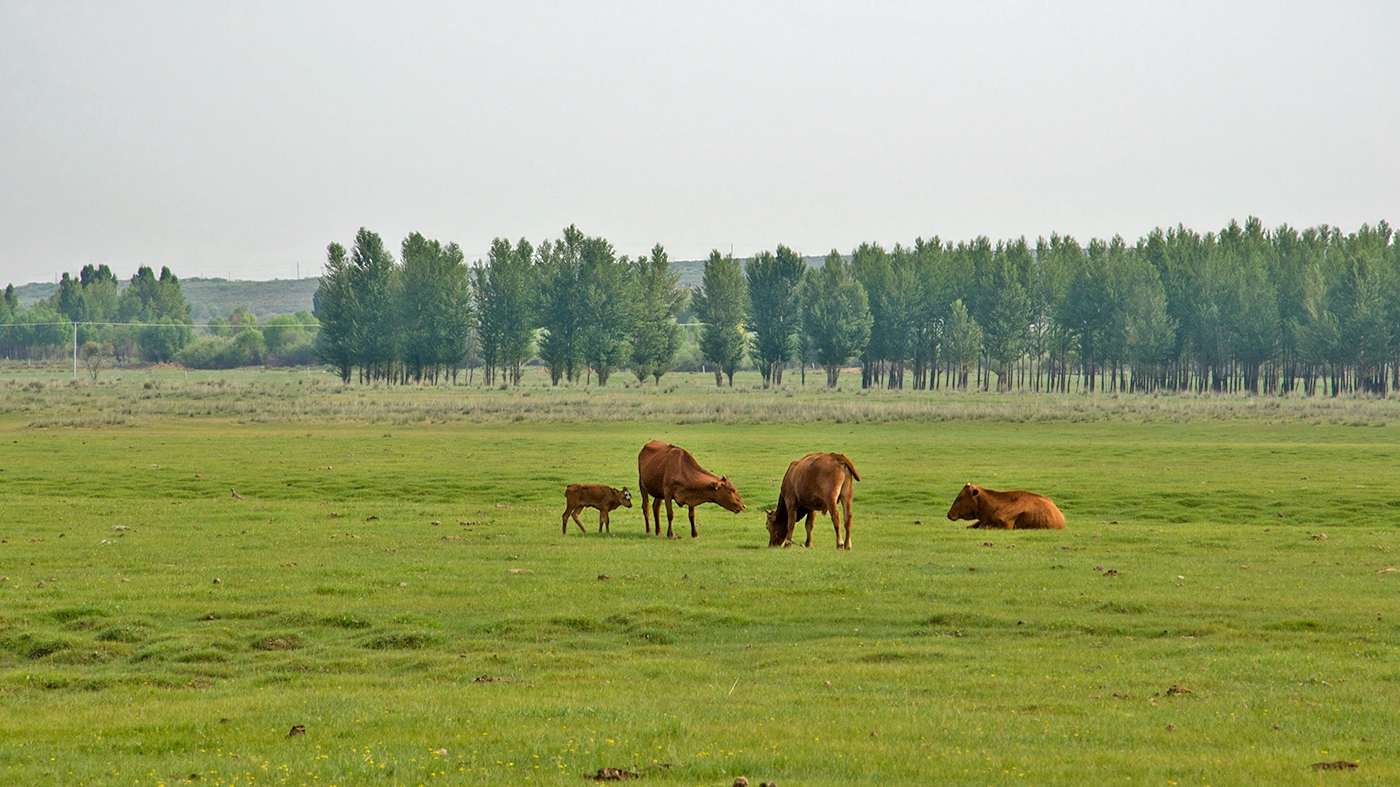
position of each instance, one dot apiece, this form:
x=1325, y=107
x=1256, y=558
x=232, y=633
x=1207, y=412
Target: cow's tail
x=845, y=460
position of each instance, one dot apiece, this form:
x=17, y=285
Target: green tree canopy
x=721, y=303
x=835, y=315
x=660, y=298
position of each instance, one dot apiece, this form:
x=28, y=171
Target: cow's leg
x=564, y=520
x=656, y=515
x=693, y=532
x=643, y=492
x=791, y=525
x=811, y=520
x=831, y=507
x=670, y=518
x=603, y=520
x=846, y=507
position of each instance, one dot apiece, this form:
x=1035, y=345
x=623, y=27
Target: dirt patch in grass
x=278, y=642
x=404, y=640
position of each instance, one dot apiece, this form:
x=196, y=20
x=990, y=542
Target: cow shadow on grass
x=622, y=535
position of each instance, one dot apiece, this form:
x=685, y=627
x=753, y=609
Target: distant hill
x=219, y=297
x=37, y=291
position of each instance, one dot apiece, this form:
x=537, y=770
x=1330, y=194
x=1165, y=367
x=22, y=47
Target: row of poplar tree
x=1244, y=309
x=586, y=311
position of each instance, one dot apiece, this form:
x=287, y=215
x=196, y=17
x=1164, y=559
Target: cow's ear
x=714, y=485
x=724, y=479
x=975, y=491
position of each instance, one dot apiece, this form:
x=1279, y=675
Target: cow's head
x=626, y=498
x=724, y=493
x=965, y=505
x=777, y=529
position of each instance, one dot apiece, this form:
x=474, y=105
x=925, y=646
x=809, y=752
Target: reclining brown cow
x=668, y=472
x=604, y=498
x=816, y=482
x=1013, y=510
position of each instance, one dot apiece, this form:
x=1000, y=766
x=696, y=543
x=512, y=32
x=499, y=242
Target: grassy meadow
x=1218, y=611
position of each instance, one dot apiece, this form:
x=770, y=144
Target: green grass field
x=397, y=583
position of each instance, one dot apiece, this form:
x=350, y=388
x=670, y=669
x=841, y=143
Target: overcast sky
x=241, y=138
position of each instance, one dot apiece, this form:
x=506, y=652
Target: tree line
x=155, y=302
x=1245, y=309
x=574, y=303
x=147, y=320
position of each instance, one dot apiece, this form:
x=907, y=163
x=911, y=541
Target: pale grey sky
x=243, y=137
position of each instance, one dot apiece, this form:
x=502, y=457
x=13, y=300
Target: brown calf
x=604, y=498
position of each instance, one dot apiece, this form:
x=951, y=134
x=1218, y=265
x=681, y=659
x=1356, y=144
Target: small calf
x=604, y=498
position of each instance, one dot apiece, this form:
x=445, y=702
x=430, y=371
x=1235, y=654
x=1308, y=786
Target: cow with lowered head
x=1013, y=510
x=816, y=482
x=604, y=498
x=670, y=473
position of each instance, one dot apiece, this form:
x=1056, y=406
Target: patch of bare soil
x=612, y=775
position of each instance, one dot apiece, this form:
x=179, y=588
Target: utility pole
x=75, y=351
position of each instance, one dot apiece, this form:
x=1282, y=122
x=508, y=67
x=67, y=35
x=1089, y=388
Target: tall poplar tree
x=774, y=313
x=374, y=279
x=505, y=293
x=434, y=307
x=721, y=304
x=337, y=311
x=835, y=315
x=962, y=342
x=660, y=298
x=608, y=308
x=558, y=266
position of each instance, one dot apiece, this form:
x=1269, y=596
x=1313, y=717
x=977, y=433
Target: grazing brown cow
x=1014, y=510
x=668, y=472
x=604, y=498
x=816, y=482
